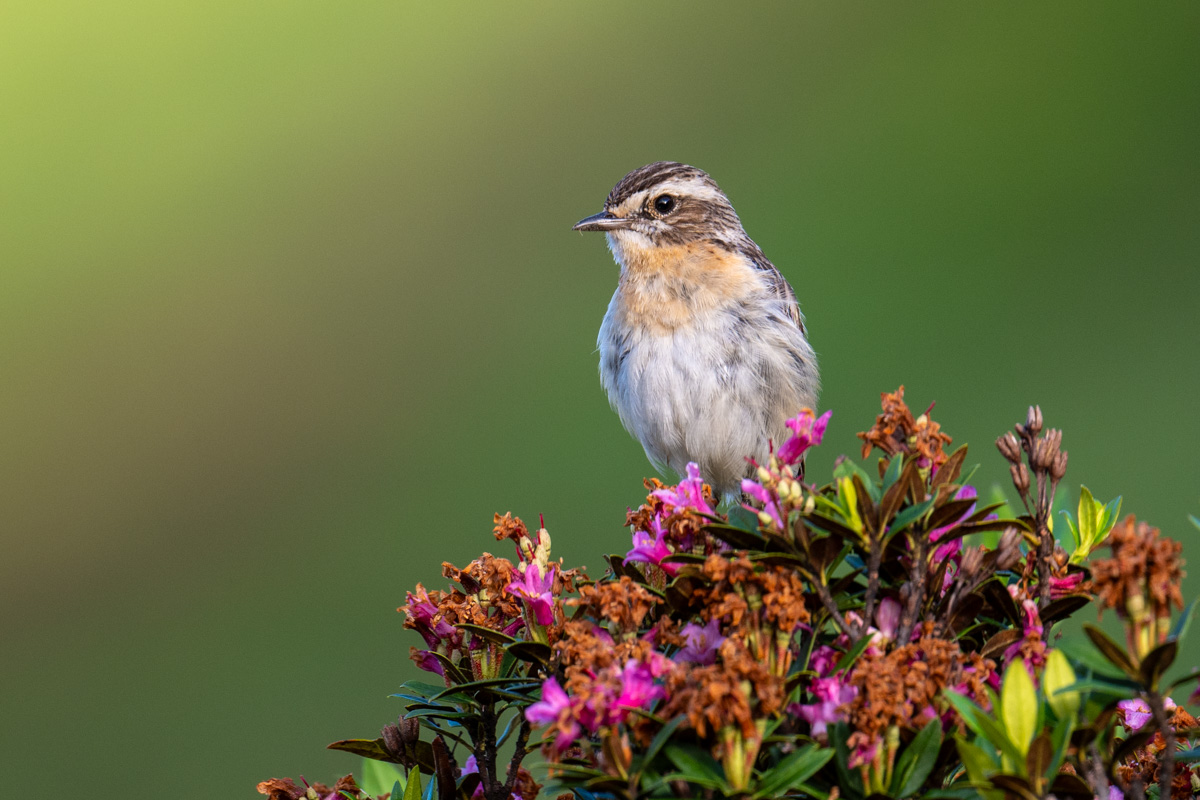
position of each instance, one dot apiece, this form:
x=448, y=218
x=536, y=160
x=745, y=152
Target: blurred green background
x=291, y=305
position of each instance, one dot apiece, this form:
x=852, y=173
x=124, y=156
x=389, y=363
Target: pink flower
x=471, y=767
x=425, y=659
x=830, y=693
x=555, y=708
x=425, y=618
x=1060, y=587
x=702, y=643
x=887, y=617
x=807, y=431
x=1136, y=712
x=1033, y=630
x=652, y=549
x=689, y=494
x=823, y=659
x=769, y=502
x=534, y=589
x=638, y=689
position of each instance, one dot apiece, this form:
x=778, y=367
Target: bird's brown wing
x=780, y=288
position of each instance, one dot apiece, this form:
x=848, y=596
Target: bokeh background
x=291, y=304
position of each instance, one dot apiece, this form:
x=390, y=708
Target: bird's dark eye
x=664, y=204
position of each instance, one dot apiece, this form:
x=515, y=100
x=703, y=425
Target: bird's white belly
x=712, y=394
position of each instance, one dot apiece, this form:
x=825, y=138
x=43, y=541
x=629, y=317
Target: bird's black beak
x=604, y=221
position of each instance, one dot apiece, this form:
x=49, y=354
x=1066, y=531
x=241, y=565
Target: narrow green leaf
x=1180, y=628
x=793, y=770
x=1090, y=659
x=917, y=760
x=1078, y=546
x=1158, y=661
x=907, y=516
x=1111, y=650
x=1088, y=517
x=988, y=728
x=850, y=780
x=695, y=763
x=1019, y=705
x=979, y=764
x=850, y=656
x=660, y=739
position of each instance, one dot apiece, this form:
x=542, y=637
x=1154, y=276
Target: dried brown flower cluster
x=622, y=602
x=896, y=431
x=286, y=789
x=682, y=525
x=762, y=604
x=1144, y=567
x=1145, y=764
x=732, y=693
x=902, y=690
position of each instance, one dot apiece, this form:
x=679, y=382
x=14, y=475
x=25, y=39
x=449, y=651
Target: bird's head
x=664, y=204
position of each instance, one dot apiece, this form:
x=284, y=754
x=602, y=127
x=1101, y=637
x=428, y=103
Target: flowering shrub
x=882, y=635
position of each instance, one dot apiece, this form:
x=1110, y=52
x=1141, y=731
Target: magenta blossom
x=702, y=643
x=823, y=660
x=830, y=694
x=534, y=589
x=887, y=618
x=555, y=708
x=427, y=620
x=1061, y=587
x=768, y=499
x=807, y=431
x=426, y=660
x=1136, y=712
x=689, y=494
x=638, y=689
x=652, y=548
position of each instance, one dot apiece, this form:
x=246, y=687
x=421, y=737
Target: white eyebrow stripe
x=696, y=189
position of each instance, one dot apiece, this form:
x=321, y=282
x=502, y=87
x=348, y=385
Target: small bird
x=703, y=350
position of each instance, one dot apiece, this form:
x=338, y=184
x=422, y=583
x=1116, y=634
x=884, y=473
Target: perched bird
x=703, y=350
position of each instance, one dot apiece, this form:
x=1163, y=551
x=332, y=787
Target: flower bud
x=1009, y=549
x=1059, y=468
x=1020, y=477
x=1009, y=447
x=391, y=739
x=1033, y=420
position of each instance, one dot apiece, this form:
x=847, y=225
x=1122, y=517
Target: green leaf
x=742, y=518
x=367, y=748
x=978, y=763
x=660, y=739
x=1188, y=755
x=1019, y=705
x=793, y=770
x=988, y=728
x=850, y=656
x=378, y=777
x=1088, y=517
x=917, y=760
x=1089, y=658
x=695, y=763
x=1180, y=628
x=907, y=516
x=1057, y=676
x=1111, y=650
x=1158, y=661
x=412, y=790
x=1074, y=530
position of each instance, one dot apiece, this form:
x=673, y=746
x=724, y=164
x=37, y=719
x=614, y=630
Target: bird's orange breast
x=665, y=287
